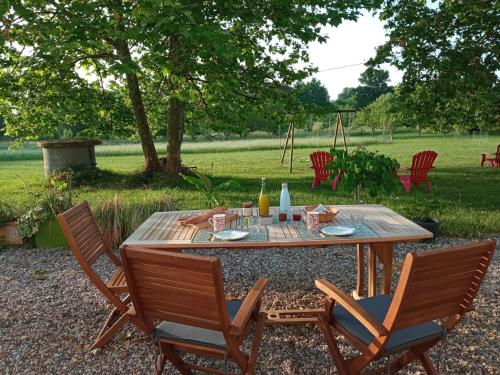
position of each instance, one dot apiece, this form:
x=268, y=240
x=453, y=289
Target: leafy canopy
x=215, y=55
x=448, y=51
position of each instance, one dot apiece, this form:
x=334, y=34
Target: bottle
x=285, y=204
x=263, y=200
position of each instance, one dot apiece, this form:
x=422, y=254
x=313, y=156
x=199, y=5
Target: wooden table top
x=161, y=230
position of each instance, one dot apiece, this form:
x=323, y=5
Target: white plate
x=338, y=230
x=231, y=235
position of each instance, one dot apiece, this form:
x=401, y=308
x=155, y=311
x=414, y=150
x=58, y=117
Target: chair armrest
x=405, y=169
x=245, y=312
x=350, y=304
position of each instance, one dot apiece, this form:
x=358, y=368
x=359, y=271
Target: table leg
x=372, y=271
x=360, y=272
x=384, y=252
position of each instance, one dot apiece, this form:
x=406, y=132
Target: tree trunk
x=175, y=133
x=151, y=161
x=176, y=110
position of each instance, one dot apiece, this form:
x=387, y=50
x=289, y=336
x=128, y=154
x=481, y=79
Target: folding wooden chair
x=87, y=245
x=186, y=292
x=434, y=285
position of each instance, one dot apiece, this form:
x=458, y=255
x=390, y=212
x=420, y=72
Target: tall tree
x=313, y=93
x=374, y=83
x=449, y=53
x=210, y=51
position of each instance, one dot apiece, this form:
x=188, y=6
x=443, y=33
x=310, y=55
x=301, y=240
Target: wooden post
x=372, y=271
x=343, y=134
x=286, y=144
x=360, y=260
x=340, y=125
x=291, y=151
x=336, y=129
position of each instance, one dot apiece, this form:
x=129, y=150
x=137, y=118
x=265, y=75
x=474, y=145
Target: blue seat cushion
x=399, y=340
x=197, y=335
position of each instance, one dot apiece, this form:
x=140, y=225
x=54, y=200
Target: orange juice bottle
x=263, y=200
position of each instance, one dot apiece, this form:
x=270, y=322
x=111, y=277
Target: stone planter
x=64, y=154
x=50, y=235
x=9, y=235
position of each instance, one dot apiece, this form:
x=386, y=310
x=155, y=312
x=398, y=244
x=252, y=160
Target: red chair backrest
x=497, y=157
x=319, y=160
x=422, y=163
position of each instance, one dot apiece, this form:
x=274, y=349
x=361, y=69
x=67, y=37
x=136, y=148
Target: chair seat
x=196, y=335
x=399, y=340
x=118, y=282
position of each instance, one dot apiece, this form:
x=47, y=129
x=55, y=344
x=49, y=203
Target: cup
x=357, y=218
x=254, y=223
x=297, y=215
x=312, y=220
x=218, y=222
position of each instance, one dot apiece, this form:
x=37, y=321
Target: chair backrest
x=439, y=284
x=422, y=163
x=497, y=157
x=84, y=237
x=176, y=287
x=319, y=160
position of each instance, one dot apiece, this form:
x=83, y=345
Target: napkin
x=320, y=209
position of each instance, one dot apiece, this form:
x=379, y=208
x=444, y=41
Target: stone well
x=63, y=154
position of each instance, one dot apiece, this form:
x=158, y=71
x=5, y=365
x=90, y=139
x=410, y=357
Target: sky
x=350, y=43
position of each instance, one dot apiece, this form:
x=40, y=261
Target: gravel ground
x=50, y=314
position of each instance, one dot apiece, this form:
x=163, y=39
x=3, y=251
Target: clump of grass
x=117, y=220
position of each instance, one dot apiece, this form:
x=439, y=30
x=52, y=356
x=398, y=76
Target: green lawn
x=465, y=198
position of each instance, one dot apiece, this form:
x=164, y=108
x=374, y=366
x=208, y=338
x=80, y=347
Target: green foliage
x=373, y=83
x=118, y=218
x=215, y=58
x=55, y=201
x=448, y=51
x=383, y=114
x=212, y=193
x=7, y=213
x=313, y=95
x=369, y=171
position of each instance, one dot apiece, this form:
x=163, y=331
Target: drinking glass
x=357, y=218
x=254, y=223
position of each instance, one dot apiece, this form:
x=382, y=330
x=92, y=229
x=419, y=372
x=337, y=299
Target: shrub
x=117, y=220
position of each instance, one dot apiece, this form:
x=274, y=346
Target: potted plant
x=425, y=217
x=9, y=234
x=364, y=171
x=41, y=222
x=204, y=184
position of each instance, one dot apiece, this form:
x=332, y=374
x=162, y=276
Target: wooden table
x=162, y=231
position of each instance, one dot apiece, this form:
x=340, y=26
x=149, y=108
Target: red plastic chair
x=420, y=167
x=319, y=160
x=494, y=160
